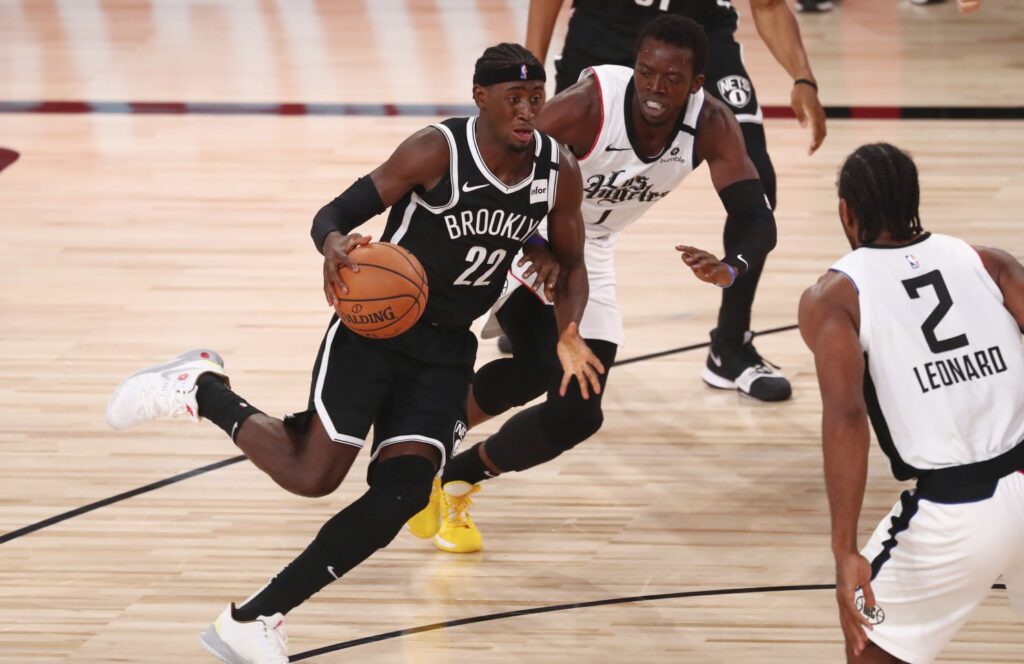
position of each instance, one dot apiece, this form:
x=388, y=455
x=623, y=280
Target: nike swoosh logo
x=611, y=149
x=740, y=257
x=234, y=430
x=330, y=570
x=466, y=188
x=714, y=358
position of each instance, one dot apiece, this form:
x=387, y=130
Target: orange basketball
x=387, y=295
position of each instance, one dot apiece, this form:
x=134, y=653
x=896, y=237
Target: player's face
x=510, y=109
x=663, y=79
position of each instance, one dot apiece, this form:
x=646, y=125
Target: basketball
x=387, y=295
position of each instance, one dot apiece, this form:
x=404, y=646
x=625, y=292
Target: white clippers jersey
x=620, y=185
x=945, y=362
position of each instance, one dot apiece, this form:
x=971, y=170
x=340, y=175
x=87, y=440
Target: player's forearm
x=353, y=207
x=571, y=294
x=845, y=441
x=540, y=23
x=750, y=225
x=779, y=30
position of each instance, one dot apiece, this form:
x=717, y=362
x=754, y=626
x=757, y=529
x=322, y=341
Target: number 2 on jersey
x=938, y=284
x=478, y=257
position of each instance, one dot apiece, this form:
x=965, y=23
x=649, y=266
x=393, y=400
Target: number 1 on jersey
x=477, y=256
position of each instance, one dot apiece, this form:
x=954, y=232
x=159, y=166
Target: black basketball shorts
x=726, y=79
x=359, y=382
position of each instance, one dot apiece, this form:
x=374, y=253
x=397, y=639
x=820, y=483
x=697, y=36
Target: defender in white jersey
x=919, y=334
x=637, y=133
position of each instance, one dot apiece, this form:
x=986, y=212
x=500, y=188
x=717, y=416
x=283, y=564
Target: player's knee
x=570, y=427
x=399, y=488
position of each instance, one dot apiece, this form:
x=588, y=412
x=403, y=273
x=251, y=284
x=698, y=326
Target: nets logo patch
x=539, y=191
x=458, y=436
x=875, y=615
x=736, y=90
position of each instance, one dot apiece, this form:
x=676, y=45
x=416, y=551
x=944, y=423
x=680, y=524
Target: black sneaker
x=814, y=6
x=742, y=368
x=504, y=345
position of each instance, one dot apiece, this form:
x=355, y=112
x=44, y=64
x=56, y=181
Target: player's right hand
x=578, y=360
x=336, y=249
x=853, y=571
x=542, y=263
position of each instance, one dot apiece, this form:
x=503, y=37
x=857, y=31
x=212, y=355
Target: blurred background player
x=602, y=32
x=921, y=335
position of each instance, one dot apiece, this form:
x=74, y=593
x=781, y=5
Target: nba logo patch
x=539, y=191
x=522, y=73
x=912, y=260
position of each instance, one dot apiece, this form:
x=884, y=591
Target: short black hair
x=879, y=184
x=505, y=55
x=680, y=32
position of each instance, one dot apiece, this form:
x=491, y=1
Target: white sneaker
x=261, y=641
x=163, y=390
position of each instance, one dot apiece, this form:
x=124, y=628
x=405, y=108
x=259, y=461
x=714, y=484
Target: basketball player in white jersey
x=637, y=133
x=921, y=335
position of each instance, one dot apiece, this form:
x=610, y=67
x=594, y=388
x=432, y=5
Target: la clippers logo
x=459, y=435
x=736, y=90
x=875, y=615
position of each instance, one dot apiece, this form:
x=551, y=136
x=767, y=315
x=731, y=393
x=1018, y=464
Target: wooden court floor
x=692, y=528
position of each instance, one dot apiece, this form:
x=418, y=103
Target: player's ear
x=479, y=95
x=697, y=84
x=847, y=218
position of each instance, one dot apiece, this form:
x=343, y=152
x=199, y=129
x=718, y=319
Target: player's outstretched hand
x=706, y=267
x=853, y=571
x=578, y=360
x=805, y=103
x=968, y=6
x=336, y=248
x=542, y=263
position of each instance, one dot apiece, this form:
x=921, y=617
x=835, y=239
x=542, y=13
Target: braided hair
x=879, y=184
x=505, y=55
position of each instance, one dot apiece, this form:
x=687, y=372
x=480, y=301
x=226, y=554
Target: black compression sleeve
x=353, y=207
x=750, y=226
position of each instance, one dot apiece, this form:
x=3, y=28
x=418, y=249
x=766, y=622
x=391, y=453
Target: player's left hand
x=804, y=100
x=705, y=266
x=542, y=263
x=578, y=360
x=853, y=571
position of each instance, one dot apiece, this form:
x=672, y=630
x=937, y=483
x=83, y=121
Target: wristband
x=806, y=81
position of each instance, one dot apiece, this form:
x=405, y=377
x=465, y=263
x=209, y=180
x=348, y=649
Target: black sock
x=399, y=488
x=293, y=585
x=467, y=467
x=221, y=406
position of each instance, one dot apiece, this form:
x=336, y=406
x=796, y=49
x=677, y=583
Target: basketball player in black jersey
x=602, y=32
x=670, y=58
x=465, y=194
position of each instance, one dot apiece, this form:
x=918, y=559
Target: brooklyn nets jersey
x=467, y=229
x=619, y=182
x=945, y=366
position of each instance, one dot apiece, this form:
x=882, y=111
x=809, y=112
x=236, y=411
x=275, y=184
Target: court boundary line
x=384, y=636
x=85, y=509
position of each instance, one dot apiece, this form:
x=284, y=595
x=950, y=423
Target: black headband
x=523, y=72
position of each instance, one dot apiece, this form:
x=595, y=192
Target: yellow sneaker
x=427, y=521
x=458, y=534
